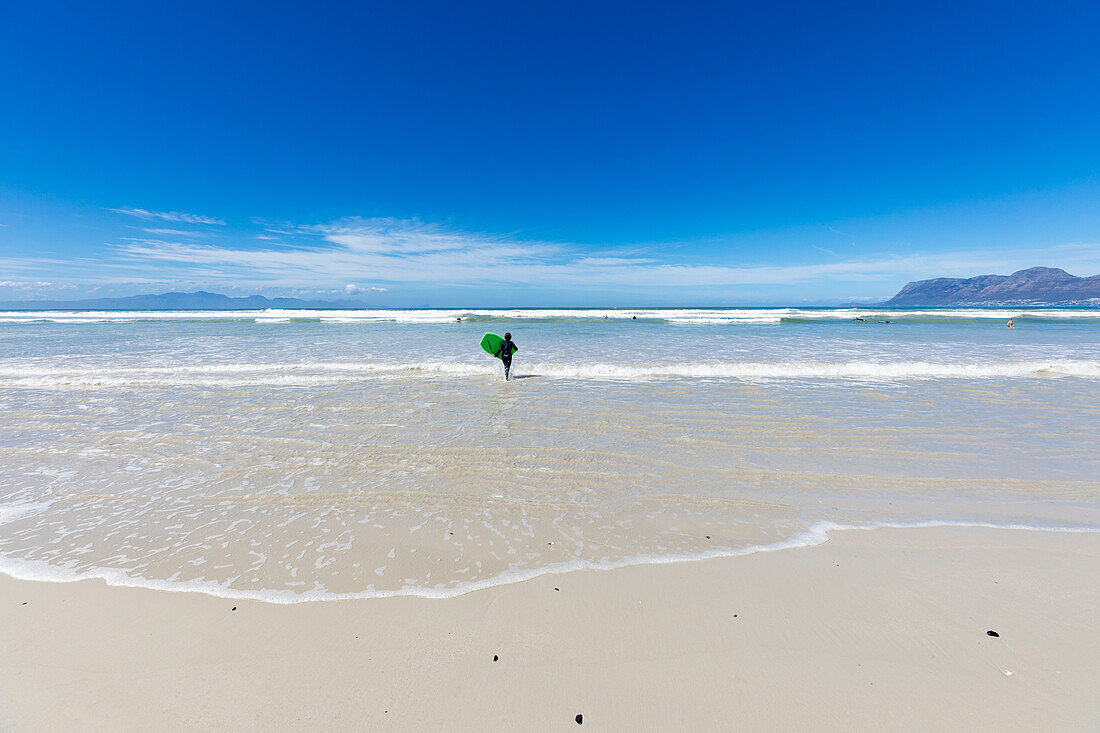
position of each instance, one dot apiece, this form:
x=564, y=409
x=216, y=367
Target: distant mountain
x=1034, y=286
x=199, y=300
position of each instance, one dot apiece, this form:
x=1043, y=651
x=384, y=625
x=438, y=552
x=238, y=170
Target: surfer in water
x=505, y=354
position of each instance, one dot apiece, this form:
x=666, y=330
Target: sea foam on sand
x=877, y=630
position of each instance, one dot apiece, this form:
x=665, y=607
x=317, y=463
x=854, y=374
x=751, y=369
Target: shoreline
x=883, y=629
x=815, y=535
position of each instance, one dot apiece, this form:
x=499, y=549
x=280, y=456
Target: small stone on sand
x=579, y=718
x=495, y=657
x=992, y=633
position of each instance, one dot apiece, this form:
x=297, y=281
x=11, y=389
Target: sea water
x=301, y=455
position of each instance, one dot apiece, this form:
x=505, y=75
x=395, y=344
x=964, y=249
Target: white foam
x=864, y=370
x=689, y=316
x=306, y=374
x=816, y=534
x=11, y=512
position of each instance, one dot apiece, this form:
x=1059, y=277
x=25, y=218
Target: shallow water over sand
x=245, y=453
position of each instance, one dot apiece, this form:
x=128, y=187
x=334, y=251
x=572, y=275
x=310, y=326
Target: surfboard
x=491, y=343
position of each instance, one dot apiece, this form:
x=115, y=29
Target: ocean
x=312, y=455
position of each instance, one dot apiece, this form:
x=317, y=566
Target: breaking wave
x=305, y=374
x=687, y=316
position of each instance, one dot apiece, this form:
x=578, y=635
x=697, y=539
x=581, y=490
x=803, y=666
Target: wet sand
x=874, y=630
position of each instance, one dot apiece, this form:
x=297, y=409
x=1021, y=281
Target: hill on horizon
x=1033, y=286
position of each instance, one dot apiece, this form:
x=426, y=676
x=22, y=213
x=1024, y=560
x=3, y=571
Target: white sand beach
x=874, y=630
x=646, y=367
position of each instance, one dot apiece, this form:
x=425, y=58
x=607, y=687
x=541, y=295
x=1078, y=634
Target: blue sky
x=551, y=154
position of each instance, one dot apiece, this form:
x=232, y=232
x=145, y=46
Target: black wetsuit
x=505, y=354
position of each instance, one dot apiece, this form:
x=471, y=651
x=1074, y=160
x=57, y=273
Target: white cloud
x=353, y=289
x=33, y=285
x=613, y=261
x=399, y=236
x=174, y=232
x=338, y=257
x=400, y=251
x=375, y=249
x=176, y=216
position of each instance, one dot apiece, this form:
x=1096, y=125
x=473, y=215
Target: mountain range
x=1034, y=286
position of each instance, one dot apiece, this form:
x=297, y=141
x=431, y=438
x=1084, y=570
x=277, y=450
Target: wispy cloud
x=613, y=261
x=409, y=251
x=353, y=289
x=375, y=249
x=176, y=216
x=359, y=256
x=31, y=266
x=33, y=285
x=397, y=236
x=173, y=232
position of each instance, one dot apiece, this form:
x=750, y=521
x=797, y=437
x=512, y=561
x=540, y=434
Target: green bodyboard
x=491, y=343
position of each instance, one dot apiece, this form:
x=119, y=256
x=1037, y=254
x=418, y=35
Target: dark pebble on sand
x=25, y=603
x=233, y=609
x=991, y=632
x=735, y=615
x=495, y=657
x=708, y=536
x=579, y=718
x=557, y=589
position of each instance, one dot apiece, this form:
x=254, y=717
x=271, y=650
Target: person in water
x=505, y=354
